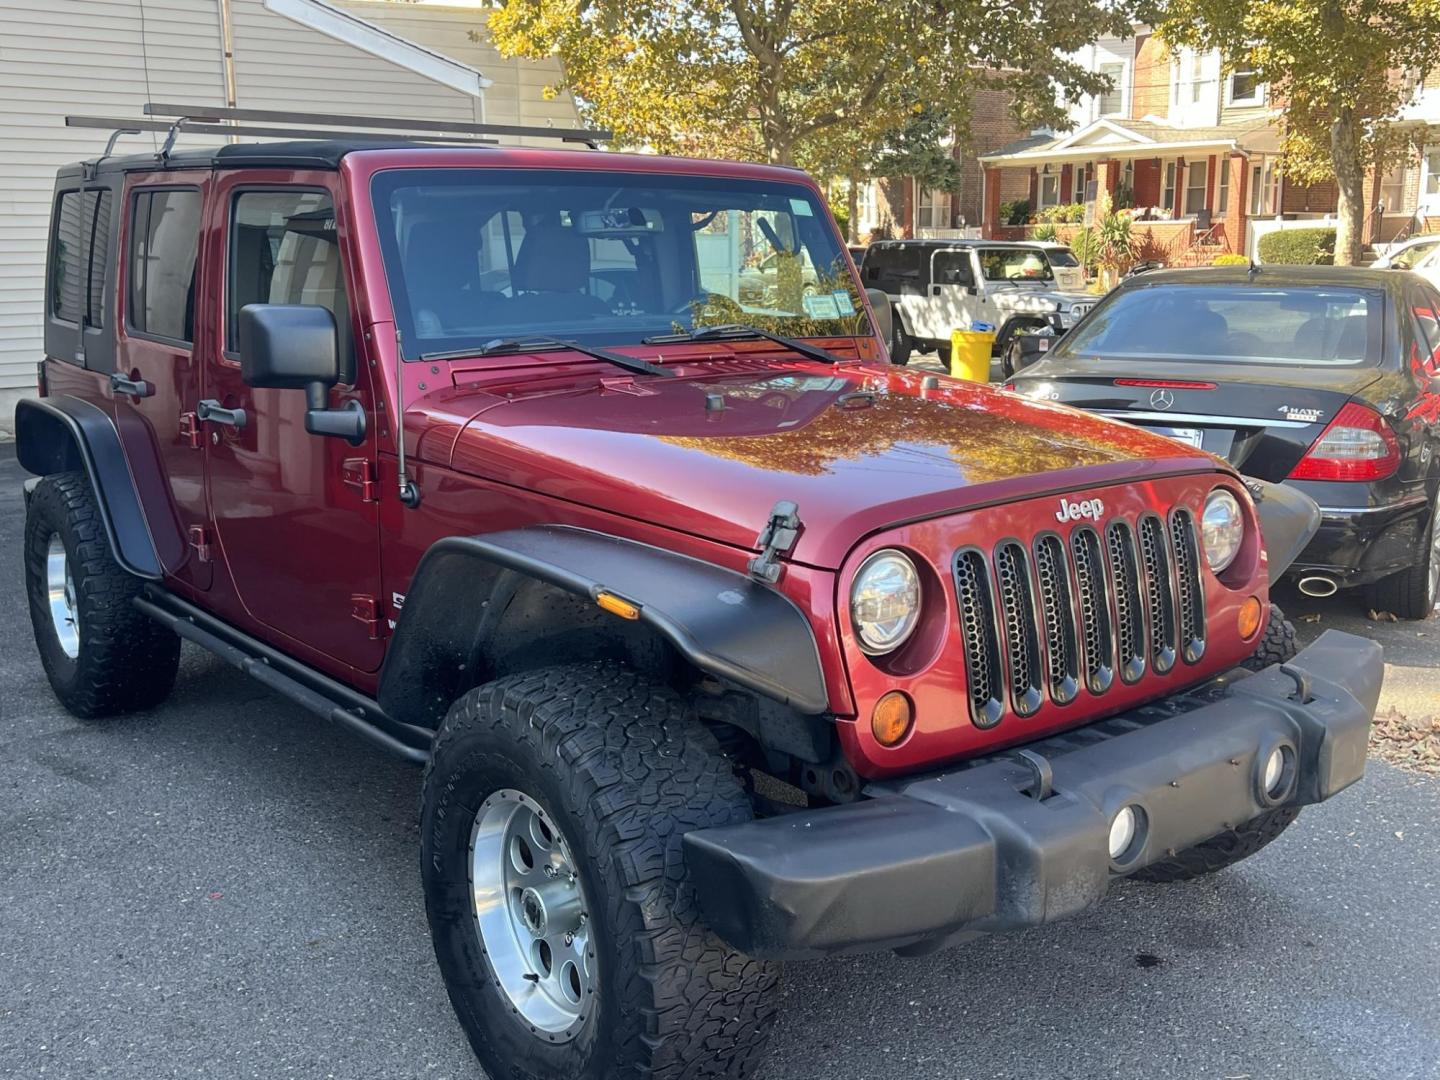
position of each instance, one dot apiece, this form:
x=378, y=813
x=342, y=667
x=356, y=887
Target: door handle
x=210, y=410
x=120, y=384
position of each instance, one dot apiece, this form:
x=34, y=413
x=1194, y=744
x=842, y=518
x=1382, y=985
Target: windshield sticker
x=843, y=302
x=823, y=306
x=801, y=208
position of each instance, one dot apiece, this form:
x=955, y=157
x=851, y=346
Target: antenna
x=408, y=492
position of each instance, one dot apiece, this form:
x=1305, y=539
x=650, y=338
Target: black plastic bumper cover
x=930, y=859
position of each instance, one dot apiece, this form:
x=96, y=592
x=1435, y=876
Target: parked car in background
x=1406, y=254
x=1428, y=266
x=1069, y=274
x=938, y=286
x=1326, y=378
x=857, y=252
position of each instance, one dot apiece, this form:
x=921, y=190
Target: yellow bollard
x=970, y=354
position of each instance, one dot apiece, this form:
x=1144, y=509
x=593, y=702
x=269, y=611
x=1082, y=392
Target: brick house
x=899, y=207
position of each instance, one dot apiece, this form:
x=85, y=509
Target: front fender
x=1289, y=519
x=722, y=622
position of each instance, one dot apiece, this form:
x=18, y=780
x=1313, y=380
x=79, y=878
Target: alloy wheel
x=531, y=914
x=60, y=592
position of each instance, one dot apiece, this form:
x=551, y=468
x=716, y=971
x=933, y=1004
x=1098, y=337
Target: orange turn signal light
x=892, y=718
x=617, y=605
x=1248, y=621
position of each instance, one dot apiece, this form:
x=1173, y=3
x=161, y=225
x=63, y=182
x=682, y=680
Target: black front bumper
x=926, y=860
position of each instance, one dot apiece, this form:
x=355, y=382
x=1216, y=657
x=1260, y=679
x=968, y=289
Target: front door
x=952, y=293
x=294, y=516
x=157, y=378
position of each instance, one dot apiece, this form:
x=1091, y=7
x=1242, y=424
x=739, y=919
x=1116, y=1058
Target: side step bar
x=287, y=676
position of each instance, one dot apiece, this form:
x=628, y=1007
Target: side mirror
x=295, y=347
x=884, y=316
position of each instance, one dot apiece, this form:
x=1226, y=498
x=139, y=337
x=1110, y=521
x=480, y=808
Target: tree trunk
x=852, y=207
x=1350, y=186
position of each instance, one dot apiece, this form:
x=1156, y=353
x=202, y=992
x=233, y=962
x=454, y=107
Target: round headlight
x=1222, y=527
x=885, y=601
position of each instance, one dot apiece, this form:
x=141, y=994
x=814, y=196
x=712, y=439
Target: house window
x=1264, y=188
x=1083, y=175
x=1245, y=88
x=1048, y=189
x=1112, y=101
x=1222, y=187
x=1196, y=177
x=1167, y=194
x=933, y=209
x=1392, y=189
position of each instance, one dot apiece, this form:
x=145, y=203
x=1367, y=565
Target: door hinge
x=364, y=609
x=200, y=541
x=190, y=429
x=360, y=474
x=776, y=539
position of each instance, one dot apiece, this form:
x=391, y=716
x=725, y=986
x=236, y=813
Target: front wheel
x=566, y=929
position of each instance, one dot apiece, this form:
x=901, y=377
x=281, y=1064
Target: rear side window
x=79, y=242
x=284, y=250
x=164, y=241
x=887, y=265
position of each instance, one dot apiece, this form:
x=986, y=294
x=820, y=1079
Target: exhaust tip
x=1318, y=585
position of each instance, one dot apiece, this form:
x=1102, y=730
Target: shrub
x=1122, y=198
x=1047, y=232
x=1016, y=212
x=1115, y=241
x=1073, y=214
x=1298, y=247
x=1085, y=246
x=1230, y=259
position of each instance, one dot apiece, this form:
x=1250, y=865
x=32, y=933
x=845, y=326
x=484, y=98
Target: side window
x=284, y=250
x=953, y=268
x=164, y=240
x=1426, y=311
x=65, y=261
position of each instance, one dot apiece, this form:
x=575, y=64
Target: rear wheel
x=942, y=350
x=901, y=344
x=566, y=929
x=1413, y=592
x=102, y=656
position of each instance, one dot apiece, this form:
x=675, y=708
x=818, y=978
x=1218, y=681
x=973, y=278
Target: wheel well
x=44, y=445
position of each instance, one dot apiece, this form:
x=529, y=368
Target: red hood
x=891, y=451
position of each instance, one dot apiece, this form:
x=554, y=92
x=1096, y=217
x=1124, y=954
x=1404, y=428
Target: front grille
x=1051, y=618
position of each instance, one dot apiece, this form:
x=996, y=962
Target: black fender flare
x=721, y=621
x=69, y=434
x=1289, y=519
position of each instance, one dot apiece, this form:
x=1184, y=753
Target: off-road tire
x=1277, y=645
x=625, y=771
x=901, y=344
x=942, y=350
x=126, y=661
x=1411, y=594
x=1221, y=851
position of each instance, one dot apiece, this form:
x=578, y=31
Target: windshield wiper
x=500, y=346
x=741, y=330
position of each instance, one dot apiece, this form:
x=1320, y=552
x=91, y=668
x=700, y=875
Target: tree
x=803, y=81
x=1337, y=66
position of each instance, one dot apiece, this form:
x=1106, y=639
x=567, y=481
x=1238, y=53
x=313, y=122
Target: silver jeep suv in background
x=937, y=286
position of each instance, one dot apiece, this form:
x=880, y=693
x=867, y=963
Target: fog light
x=1122, y=832
x=892, y=718
x=1274, y=779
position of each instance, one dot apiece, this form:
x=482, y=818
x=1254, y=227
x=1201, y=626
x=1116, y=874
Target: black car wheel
x=901, y=344
x=1412, y=593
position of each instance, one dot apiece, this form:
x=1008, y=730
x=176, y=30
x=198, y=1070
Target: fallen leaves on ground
x=1411, y=744
x=1381, y=616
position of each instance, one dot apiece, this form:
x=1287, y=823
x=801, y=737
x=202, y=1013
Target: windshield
x=605, y=258
x=1234, y=323
x=1014, y=264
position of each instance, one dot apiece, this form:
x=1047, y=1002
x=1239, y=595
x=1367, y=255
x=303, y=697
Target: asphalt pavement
x=227, y=887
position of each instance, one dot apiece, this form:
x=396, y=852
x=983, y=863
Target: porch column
x=1034, y=190
x=1235, y=239
x=1210, y=184
x=1179, y=208
x=1108, y=176
x=990, y=212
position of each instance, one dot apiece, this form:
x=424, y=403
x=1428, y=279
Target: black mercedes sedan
x=1327, y=378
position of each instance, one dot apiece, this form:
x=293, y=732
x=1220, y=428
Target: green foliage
x=1298, y=247
x=1123, y=198
x=813, y=82
x=1063, y=214
x=1085, y=246
x=841, y=213
x=1016, y=212
x=1046, y=233
x=1115, y=242
x=921, y=148
x=1230, y=259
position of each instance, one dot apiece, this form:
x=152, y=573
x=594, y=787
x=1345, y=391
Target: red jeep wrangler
x=583, y=480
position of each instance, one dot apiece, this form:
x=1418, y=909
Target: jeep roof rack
x=226, y=122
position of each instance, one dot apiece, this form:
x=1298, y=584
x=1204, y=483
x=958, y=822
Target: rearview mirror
x=295, y=347
x=884, y=317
